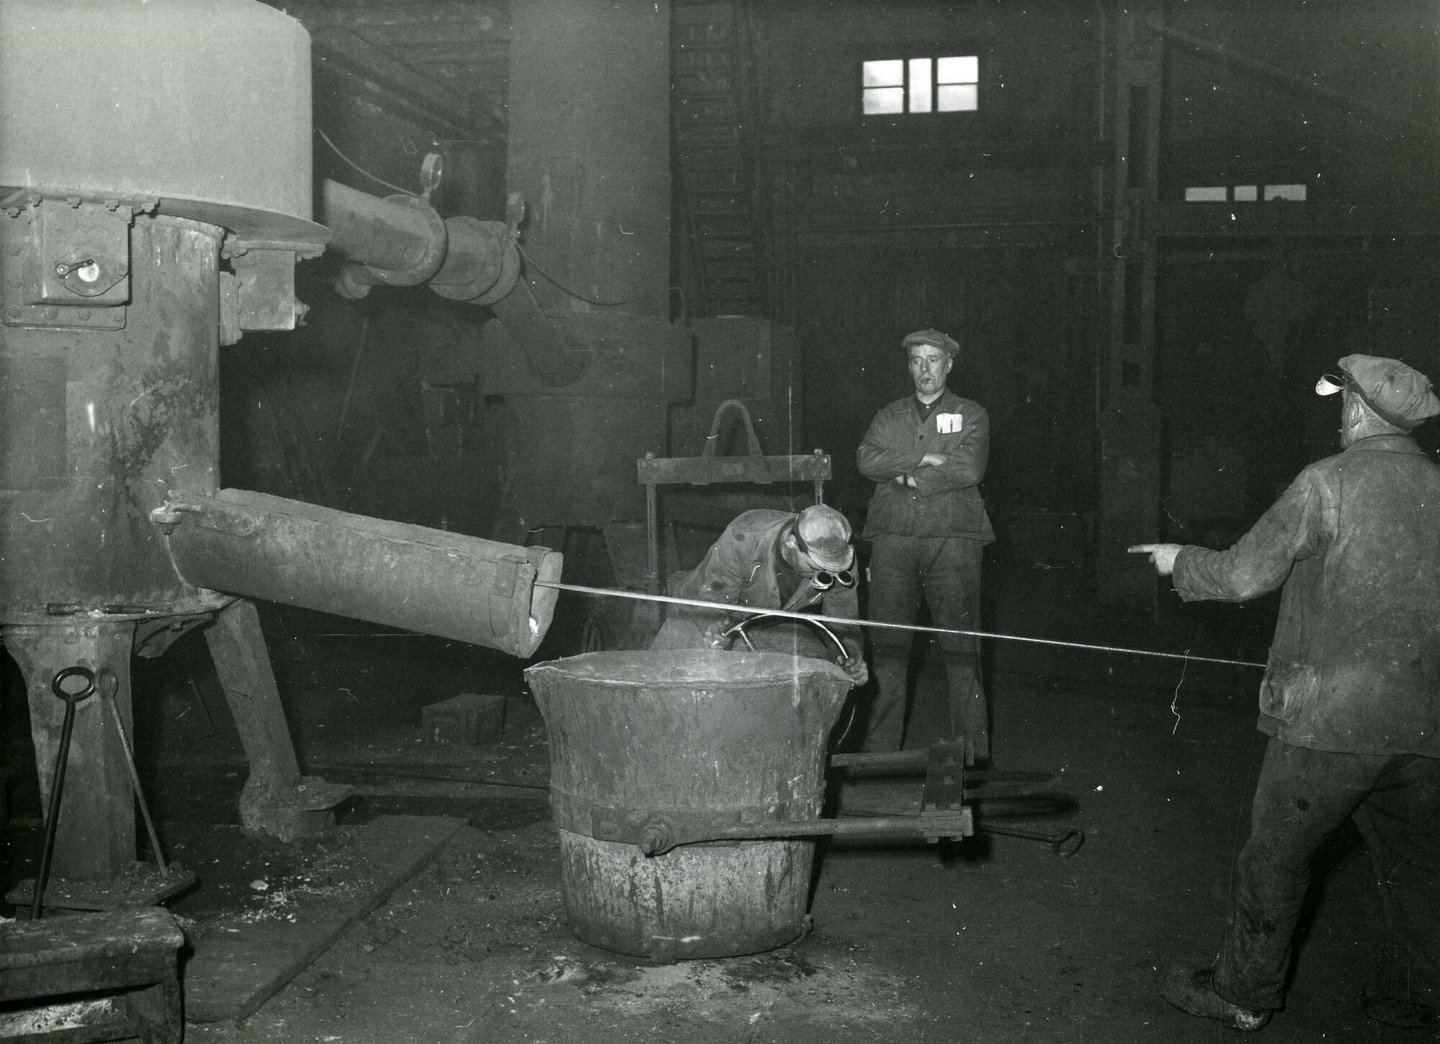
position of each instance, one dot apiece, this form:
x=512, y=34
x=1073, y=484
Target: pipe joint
x=432, y=246
x=482, y=262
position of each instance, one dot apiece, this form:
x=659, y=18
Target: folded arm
x=963, y=463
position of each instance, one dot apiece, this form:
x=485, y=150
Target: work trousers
x=1303, y=796
x=945, y=572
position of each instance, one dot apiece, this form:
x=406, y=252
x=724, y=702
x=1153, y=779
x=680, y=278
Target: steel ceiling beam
x=359, y=56
x=1353, y=105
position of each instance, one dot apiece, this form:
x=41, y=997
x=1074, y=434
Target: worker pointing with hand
x=1350, y=700
x=1162, y=556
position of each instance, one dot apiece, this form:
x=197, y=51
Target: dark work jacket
x=742, y=567
x=1355, y=661
x=946, y=500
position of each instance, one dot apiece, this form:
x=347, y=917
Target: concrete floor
x=995, y=939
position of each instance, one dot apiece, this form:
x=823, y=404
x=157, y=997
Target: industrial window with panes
x=897, y=86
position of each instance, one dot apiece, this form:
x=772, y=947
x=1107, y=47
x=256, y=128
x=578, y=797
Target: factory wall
x=977, y=223
x=1359, y=135
x=1245, y=324
x=994, y=226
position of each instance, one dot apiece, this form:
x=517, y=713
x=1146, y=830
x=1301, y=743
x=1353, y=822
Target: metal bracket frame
x=68, y=263
x=753, y=469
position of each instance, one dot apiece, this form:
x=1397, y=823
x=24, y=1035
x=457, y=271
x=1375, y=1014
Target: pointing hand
x=1162, y=555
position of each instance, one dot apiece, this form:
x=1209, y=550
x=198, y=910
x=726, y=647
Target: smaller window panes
x=1206, y=194
x=957, y=70
x=889, y=73
x=881, y=100
x=958, y=97
x=1293, y=192
x=922, y=98
x=1245, y=194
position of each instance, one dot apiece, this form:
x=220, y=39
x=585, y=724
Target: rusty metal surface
x=426, y=580
x=739, y=735
x=97, y=424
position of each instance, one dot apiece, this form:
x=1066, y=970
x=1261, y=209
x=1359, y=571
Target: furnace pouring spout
x=429, y=581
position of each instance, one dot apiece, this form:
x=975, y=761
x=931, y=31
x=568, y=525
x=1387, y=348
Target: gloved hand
x=855, y=667
x=714, y=636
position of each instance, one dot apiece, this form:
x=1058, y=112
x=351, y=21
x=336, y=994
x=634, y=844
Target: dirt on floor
x=992, y=939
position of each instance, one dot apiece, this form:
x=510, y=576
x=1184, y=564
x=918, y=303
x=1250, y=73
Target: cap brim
x=832, y=565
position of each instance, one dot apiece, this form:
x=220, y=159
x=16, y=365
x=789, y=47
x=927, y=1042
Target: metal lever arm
x=1064, y=843
x=658, y=834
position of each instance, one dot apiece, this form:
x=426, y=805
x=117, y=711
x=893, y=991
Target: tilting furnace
x=155, y=197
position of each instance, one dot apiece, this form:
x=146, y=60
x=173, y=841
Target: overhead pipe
x=396, y=241
x=401, y=241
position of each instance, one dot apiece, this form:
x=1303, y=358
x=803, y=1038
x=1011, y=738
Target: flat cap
x=1399, y=393
x=824, y=534
x=934, y=338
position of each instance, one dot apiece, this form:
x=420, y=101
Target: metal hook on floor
x=57, y=783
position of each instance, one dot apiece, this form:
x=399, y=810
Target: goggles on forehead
x=1329, y=384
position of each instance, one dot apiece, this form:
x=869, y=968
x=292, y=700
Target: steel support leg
x=276, y=799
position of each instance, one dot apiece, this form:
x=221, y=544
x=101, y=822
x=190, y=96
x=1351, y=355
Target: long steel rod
x=107, y=699
x=817, y=618
x=52, y=818
x=932, y=824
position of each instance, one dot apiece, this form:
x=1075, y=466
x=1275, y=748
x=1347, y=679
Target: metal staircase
x=714, y=109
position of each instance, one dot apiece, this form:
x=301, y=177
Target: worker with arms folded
x=927, y=524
